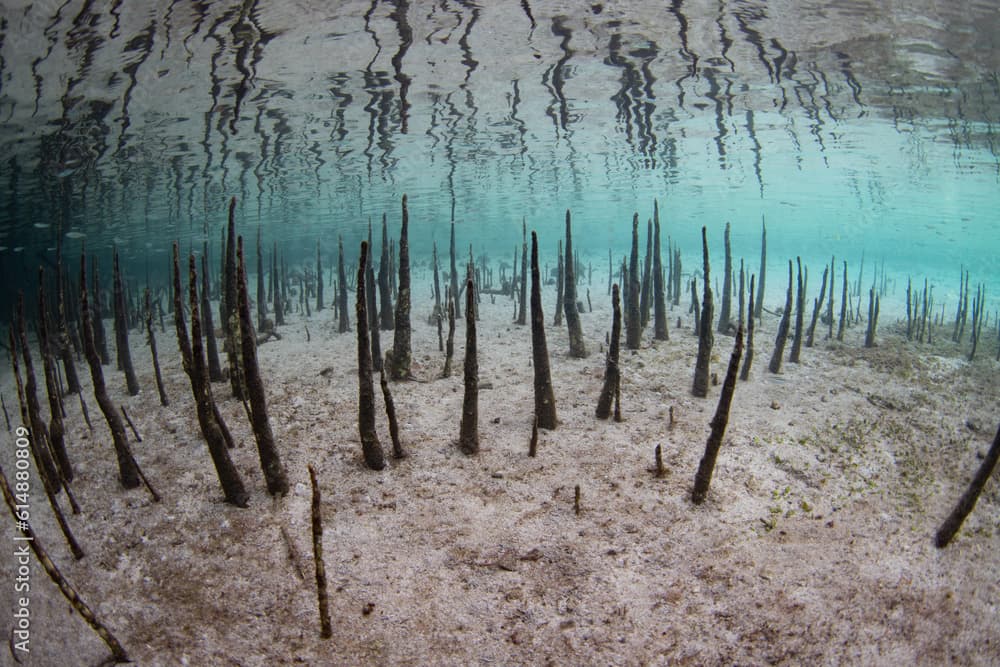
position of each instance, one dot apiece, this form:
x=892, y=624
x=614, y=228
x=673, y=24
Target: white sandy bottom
x=814, y=547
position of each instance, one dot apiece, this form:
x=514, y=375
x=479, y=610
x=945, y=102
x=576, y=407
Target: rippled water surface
x=848, y=126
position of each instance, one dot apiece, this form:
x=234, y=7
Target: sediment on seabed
x=854, y=456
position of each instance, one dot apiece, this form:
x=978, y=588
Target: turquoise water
x=849, y=127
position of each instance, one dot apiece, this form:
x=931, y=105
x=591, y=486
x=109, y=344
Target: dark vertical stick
x=304, y=297
x=62, y=333
x=676, y=266
x=284, y=284
x=533, y=444
x=371, y=448
x=875, y=320
x=220, y=284
x=325, y=631
x=923, y=314
x=510, y=288
x=438, y=306
x=319, y=277
x=872, y=318
x=392, y=268
x=57, y=431
x=370, y=297
x=968, y=500
x=279, y=306
x=611, y=272
x=100, y=338
x=128, y=420
x=660, y=329
x=6, y=417
x=829, y=308
x=450, y=346
x=215, y=373
x=399, y=366
x=977, y=319
x=623, y=281
x=151, y=339
x=215, y=422
x=522, y=308
x=707, y=465
x=695, y=307
x=385, y=294
x=468, y=439
x=618, y=398
x=658, y=452
x=611, y=369
x=742, y=302
x=343, y=319
x=958, y=312
x=471, y=273
x=121, y=330
x=159, y=311
x=454, y=273
x=577, y=347
x=21, y=400
x=73, y=320
x=274, y=294
x=647, y=279
x=934, y=320
x=390, y=413
x=213, y=427
x=861, y=273
x=843, y=307
x=560, y=284
x=545, y=402
x=996, y=318
x=182, y=336
x=633, y=322
x=129, y=309
x=725, y=312
x=759, y=307
x=272, y=274
x=705, y=337
x=128, y=474
x=965, y=307
x=669, y=275
x=800, y=308
x=438, y=310
x=138, y=438
x=231, y=325
x=267, y=450
x=779, y=343
x=817, y=307
x=261, y=295
x=745, y=373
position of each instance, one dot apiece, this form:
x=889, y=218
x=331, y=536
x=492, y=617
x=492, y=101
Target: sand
x=815, y=545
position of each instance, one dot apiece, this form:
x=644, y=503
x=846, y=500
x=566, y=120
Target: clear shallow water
x=849, y=126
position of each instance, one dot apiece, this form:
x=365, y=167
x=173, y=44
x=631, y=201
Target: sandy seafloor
x=814, y=547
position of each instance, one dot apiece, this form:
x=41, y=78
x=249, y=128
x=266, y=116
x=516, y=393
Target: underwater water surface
x=851, y=128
